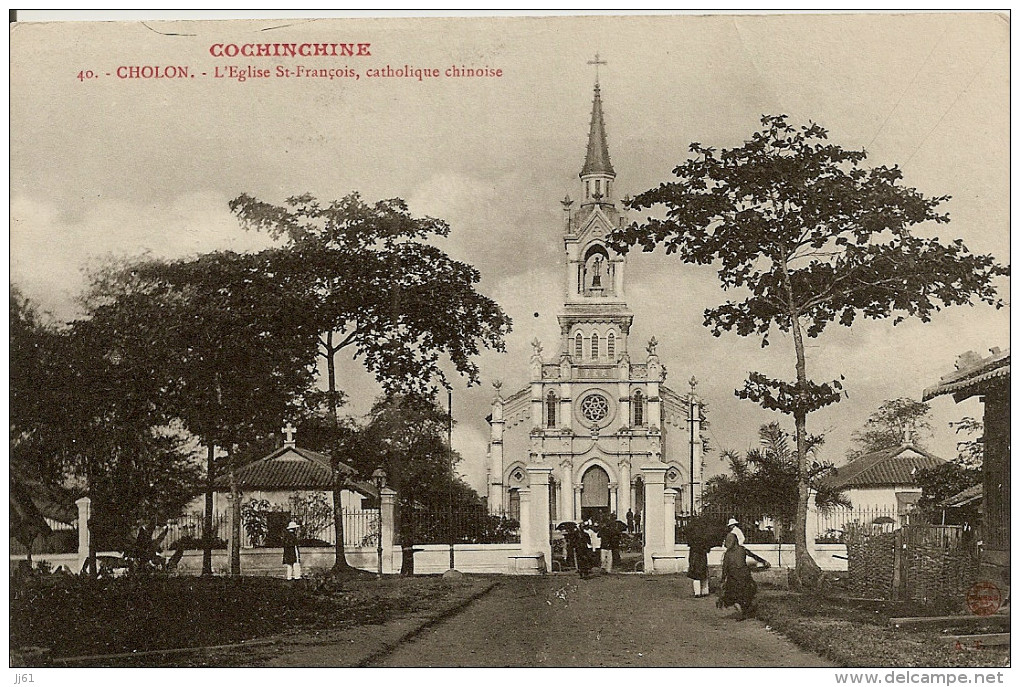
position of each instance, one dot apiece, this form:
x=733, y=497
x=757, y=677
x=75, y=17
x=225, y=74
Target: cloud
x=50, y=251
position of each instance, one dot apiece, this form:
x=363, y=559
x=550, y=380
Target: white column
x=524, y=496
x=577, y=503
x=566, y=503
x=655, y=479
x=538, y=521
x=613, y=499
x=387, y=515
x=624, y=490
x=669, y=519
x=84, y=513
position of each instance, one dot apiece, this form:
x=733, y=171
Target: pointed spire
x=597, y=159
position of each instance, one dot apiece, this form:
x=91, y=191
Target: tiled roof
x=290, y=467
x=972, y=493
x=972, y=374
x=888, y=467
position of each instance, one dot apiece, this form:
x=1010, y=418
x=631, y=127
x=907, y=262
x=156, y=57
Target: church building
x=596, y=432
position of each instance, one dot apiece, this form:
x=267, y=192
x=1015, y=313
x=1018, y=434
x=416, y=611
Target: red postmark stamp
x=984, y=598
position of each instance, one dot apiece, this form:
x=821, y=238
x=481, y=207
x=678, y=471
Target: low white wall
x=467, y=558
x=71, y=561
x=779, y=556
x=269, y=561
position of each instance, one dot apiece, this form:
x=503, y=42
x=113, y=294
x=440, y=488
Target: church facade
x=596, y=432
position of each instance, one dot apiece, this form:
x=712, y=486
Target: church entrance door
x=595, y=494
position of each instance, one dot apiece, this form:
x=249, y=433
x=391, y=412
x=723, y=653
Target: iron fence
x=475, y=526
x=189, y=529
x=361, y=528
x=757, y=527
x=833, y=523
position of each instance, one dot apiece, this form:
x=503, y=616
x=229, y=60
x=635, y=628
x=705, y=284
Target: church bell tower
x=595, y=321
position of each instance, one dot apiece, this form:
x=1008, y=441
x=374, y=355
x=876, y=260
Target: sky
x=107, y=166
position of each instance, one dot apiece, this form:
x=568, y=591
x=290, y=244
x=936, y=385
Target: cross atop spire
x=597, y=62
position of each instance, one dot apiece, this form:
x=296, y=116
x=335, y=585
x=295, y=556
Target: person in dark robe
x=738, y=587
x=697, y=569
x=291, y=553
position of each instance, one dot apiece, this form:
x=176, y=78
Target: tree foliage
x=75, y=423
x=894, y=423
x=221, y=344
x=377, y=287
x=765, y=481
x=809, y=237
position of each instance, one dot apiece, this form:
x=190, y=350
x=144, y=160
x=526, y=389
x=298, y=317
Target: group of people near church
x=593, y=544
x=738, y=586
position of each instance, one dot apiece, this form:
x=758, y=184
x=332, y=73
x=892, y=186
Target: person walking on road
x=738, y=587
x=291, y=552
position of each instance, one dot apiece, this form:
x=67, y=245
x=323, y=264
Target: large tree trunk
x=340, y=564
x=808, y=571
x=208, y=519
x=235, y=522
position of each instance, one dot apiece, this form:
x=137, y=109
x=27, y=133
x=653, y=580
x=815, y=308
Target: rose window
x=595, y=408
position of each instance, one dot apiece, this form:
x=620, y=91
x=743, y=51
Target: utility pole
x=453, y=474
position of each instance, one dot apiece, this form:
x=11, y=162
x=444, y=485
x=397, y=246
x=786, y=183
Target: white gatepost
x=539, y=539
x=669, y=519
x=655, y=481
x=84, y=513
x=388, y=526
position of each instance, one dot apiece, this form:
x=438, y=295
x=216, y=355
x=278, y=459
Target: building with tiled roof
x=290, y=468
x=884, y=480
x=288, y=472
x=988, y=377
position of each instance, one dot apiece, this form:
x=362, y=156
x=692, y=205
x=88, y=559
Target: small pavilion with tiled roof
x=288, y=471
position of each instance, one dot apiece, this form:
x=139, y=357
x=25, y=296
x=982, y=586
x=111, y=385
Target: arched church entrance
x=595, y=494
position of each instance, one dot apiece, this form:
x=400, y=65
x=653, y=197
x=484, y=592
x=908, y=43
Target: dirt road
x=623, y=620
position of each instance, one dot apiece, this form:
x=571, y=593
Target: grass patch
x=79, y=616
x=856, y=633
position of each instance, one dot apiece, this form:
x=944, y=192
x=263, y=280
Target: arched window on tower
x=598, y=187
x=611, y=347
x=639, y=409
x=587, y=189
x=594, y=346
x=578, y=346
x=550, y=409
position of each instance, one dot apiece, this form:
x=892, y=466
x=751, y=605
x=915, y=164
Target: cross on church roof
x=597, y=62
x=290, y=430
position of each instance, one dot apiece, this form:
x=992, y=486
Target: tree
x=766, y=480
x=222, y=343
x=407, y=436
x=812, y=238
x=73, y=424
x=380, y=290
x=899, y=421
x=949, y=479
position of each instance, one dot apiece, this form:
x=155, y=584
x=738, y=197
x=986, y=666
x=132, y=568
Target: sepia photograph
x=604, y=340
